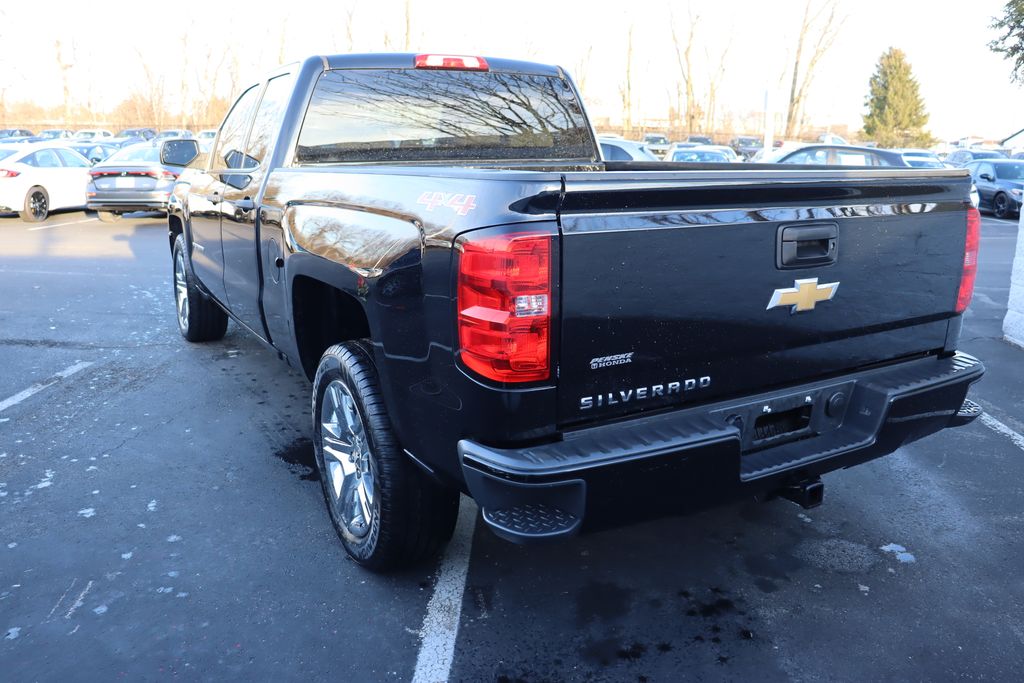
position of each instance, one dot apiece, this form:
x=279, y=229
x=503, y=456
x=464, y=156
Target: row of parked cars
x=998, y=178
x=39, y=177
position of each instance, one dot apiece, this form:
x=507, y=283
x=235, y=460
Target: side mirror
x=95, y=160
x=179, y=152
x=986, y=176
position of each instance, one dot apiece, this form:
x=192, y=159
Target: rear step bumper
x=694, y=458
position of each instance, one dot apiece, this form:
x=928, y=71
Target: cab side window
x=268, y=119
x=230, y=149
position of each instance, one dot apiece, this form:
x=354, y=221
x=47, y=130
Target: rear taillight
x=963, y=299
x=504, y=300
x=456, y=62
x=5, y=173
x=168, y=175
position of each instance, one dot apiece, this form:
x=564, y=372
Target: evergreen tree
x=896, y=116
x=1010, y=43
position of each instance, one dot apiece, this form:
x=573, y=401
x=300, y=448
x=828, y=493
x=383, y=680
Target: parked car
x=132, y=179
x=746, y=145
x=206, y=135
x=93, y=134
x=6, y=133
x=728, y=151
x=921, y=158
x=38, y=178
x=625, y=150
x=837, y=155
x=179, y=133
x=55, y=134
x=569, y=347
x=657, y=144
x=95, y=152
x=700, y=139
x=144, y=133
x=702, y=154
x=1000, y=184
x=832, y=139
x=962, y=157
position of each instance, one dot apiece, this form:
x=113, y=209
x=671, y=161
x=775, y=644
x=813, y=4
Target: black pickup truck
x=483, y=305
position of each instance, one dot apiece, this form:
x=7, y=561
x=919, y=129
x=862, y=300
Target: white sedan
x=36, y=179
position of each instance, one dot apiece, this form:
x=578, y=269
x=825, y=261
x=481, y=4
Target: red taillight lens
x=4, y=173
x=963, y=299
x=457, y=62
x=504, y=299
x=168, y=175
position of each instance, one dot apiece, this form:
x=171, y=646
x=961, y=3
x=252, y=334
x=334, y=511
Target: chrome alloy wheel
x=181, y=290
x=350, y=469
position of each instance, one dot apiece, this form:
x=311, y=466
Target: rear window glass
x=146, y=153
x=391, y=115
x=4, y=153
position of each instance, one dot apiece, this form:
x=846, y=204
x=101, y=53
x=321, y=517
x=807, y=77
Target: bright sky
x=966, y=88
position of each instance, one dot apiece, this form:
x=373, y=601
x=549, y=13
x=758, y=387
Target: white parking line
x=60, y=225
x=441, y=622
x=39, y=386
x=997, y=426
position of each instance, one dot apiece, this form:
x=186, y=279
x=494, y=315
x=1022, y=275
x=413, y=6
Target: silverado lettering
x=437, y=244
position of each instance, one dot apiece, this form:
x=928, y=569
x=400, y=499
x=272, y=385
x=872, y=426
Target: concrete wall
x=1013, y=325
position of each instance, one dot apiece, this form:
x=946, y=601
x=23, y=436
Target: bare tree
x=715, y=79
x=65, y=67
x=154, y=92
x=408, y=26
x=684, y=59
x=582, y=69
x=818, y=31
x=350, y=42
x=626, y=89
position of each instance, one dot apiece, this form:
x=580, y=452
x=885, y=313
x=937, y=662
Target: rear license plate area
x=776, y=425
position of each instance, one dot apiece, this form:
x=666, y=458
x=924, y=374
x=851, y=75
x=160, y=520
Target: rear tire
x=36, y=208
x=199, y=318
x=1001, y=206
x=108, y=216
x=386, y=511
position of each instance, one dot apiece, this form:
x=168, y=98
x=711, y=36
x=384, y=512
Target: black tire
x=1001, y=206
x=412, y=516
x=108, y=216
x=36, y=207
x=199, y=318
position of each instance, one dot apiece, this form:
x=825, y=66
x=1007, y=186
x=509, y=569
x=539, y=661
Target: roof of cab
x=405, y=60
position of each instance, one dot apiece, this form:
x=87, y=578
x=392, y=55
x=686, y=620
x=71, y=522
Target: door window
x=986, y=168
x=268, y=120
x=230, y=148
x=72, y=160
x=44, y=158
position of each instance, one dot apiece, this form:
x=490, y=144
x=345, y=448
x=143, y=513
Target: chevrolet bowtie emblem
x=804, y=296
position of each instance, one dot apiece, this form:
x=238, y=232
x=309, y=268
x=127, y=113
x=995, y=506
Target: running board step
x=531, y=521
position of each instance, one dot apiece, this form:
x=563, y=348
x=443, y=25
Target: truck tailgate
x=681, y=287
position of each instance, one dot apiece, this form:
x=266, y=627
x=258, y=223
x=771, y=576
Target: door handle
x=214, y=198
x=805, y=246
x=244, y=205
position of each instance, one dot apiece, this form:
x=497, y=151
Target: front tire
x=199, y=318
x=36, y=208
x=1001, y=206
x=387, y=513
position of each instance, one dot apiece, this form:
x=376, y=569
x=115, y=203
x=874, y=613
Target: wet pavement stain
x=599, y=600
x=301, y=459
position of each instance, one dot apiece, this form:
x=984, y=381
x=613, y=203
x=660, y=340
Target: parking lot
x=160, y=517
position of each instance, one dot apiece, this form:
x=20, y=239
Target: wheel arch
x=323, y=315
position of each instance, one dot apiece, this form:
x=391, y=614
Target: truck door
x=205, y=196
x=240, y=212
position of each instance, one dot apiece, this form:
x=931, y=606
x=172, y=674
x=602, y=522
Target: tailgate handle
x=804, y=246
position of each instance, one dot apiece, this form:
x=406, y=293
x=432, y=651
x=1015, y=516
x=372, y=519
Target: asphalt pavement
x=160, y=518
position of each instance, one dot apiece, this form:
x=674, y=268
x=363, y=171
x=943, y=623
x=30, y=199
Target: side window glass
x=44, y=158
x=230, y=152
x=72, y=160
x=267, y=121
